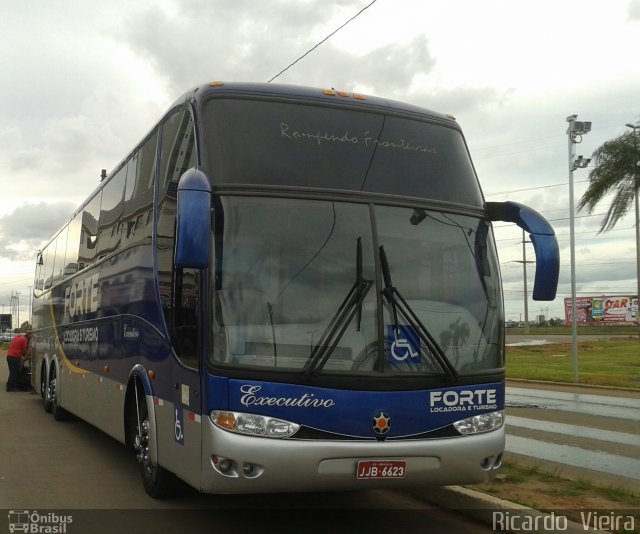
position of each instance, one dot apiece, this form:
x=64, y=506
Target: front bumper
x=262, y=465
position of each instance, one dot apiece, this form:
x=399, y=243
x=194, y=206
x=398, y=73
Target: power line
x=323, y=40
x=598, y=237
x=565, y=184
x=558, y=219
x=542, y=138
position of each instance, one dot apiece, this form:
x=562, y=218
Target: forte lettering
x=466, y=400
x=82, y=296
x=464, y=397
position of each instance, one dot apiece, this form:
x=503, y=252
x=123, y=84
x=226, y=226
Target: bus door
x=187, y=377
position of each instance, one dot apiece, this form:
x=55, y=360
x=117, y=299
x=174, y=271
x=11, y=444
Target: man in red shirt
x=17, y=353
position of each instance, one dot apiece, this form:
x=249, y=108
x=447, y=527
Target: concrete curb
x=498, y=514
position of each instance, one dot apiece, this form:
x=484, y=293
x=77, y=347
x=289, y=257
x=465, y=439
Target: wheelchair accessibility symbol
x=404, y=344
x=178, y=424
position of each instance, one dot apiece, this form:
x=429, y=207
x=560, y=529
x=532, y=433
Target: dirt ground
x=531, y=487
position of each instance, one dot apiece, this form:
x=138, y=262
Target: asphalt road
x=72, y=469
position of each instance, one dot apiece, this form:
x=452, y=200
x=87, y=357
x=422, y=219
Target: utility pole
x=575, y=131
x=30, y=300
x=13, y=307
x=524, y=269
x=636, y=171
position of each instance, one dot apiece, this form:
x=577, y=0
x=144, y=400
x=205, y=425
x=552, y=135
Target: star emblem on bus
x=381, y=423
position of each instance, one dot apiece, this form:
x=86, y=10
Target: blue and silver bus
x=286, y=289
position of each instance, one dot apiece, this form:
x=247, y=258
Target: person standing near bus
x=17, y=353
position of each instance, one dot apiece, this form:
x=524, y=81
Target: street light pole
x=636, y=171
x=575, y=131
x=30, y=299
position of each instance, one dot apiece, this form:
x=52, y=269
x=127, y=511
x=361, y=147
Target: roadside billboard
x=5, y=322
x=603, y=309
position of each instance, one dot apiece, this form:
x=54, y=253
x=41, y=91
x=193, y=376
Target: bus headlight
x=253, y=425
x=480, y=423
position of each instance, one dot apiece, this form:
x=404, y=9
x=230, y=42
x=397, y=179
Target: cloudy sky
x=83, y=81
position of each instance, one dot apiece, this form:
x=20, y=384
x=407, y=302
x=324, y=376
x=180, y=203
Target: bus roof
x=328, y=96
x=279, y=91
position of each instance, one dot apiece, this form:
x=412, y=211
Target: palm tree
x=615, y=170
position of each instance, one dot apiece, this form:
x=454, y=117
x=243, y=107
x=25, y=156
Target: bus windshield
x=260, y=142
x=282, y=292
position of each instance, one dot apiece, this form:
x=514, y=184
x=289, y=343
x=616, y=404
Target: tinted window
x=146, y=164
x=89, y=234
x=38, y=282
x=111, y=209
x=179, y=290
x=50, y=260
x=73, y=243
x=138, y=199
x=178, y=147
x=259, y=142
x=61, y=246
x=131, y=178
x=281, y=286
x=42, y=271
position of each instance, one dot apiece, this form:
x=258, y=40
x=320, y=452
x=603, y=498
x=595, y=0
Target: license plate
x=368, y=469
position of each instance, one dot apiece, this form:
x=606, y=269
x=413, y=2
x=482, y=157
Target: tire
x=59, y=413
x=44, y=390
x=158, y=482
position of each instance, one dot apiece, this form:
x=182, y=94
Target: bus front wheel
x=158, y=482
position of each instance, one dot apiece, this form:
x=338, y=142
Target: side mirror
x=193, y=226
x=544, y=242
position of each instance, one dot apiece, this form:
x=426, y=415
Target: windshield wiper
x=351, y=306
x=398, y=303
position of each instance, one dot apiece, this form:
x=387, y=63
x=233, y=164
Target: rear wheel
x=44, y=393
x=59, y=413
x=50, y=389
x=158, y=482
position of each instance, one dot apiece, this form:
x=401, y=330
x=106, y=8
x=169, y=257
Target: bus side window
x=110, y=223
x=50, y=261
x=42, y=272
x=179, y=290
x=138, y=195
x=89, y=233
x=185, y=316
x=36, y=280
x=61, y=247
x=73, y=244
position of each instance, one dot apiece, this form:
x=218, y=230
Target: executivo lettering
x=251, y=397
